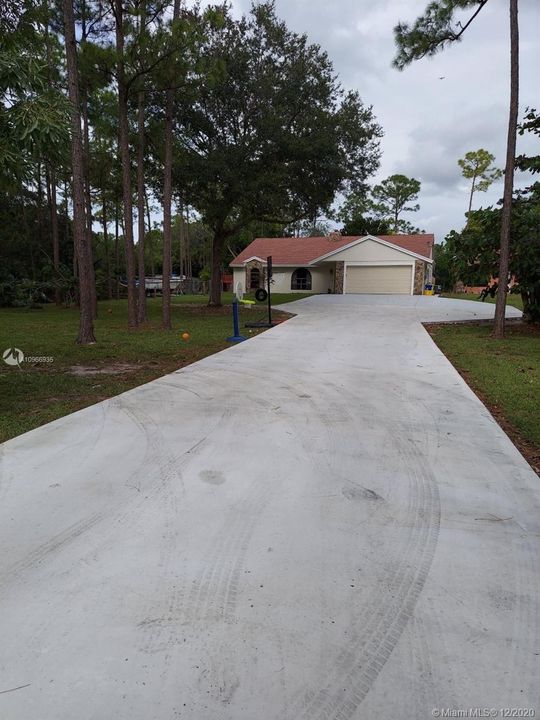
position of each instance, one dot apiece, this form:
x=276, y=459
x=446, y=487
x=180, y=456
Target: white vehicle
x=154, y=283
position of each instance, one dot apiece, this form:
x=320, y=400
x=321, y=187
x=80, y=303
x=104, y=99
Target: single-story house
x=337, y=264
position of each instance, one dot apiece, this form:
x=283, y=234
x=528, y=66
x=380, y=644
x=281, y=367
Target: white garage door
x=384, y=279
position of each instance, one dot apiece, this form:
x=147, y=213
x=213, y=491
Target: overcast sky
x=428, y=123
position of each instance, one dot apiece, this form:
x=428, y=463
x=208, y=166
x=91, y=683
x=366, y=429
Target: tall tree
x=477, y=167
x=271, y=136
x=50, y=170
x=53, y=210
x=429, y=34
x=141, y=233
x=83, y=251
x=358, y=217
x=123, y=143
x=141, y=195
x=167, y=194
x=104, y=167
x=506, y=218
x=531, y=123
x=392, y=197
x=33, y=112
x=475, y=250
x=83, y=11
x=444, y=266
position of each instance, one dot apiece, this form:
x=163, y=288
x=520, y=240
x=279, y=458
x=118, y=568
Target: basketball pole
x=238, y=294
x=268, y=278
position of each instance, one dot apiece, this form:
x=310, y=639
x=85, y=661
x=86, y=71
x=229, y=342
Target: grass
x=504, y=373
x=41, y=392
x=514, y=300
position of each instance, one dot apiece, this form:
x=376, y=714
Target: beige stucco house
x=388, y=264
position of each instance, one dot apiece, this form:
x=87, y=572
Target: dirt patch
x=112, y=369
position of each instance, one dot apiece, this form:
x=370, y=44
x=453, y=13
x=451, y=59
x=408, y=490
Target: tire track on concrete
x=516, y=600
x=157, y=455
x=154, y=453
x=363, y=657
x=64, y=538
x=524, y=615
x=160, y=623
x=5, y=478
x=213, y=594
x=384, y=625
x=54, y=545
x=360, y=662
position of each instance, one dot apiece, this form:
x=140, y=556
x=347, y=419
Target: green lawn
x=506, y=373
x=41, y=392
x=514, y=300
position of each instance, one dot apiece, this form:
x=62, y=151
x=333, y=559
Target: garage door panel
x=380, y=279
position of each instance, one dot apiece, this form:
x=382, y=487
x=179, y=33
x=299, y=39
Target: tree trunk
x=86, y=328
x=181, y=239
x=215, y=278
x=27, y=235
x=142, y=315
x=167, y=200
x=531, y=305
x=150, y=242
x=500, y=308
x=51, y=179
x=116, y=252
x=86, y=169
x=472, y=192
x=188, y=246
x=148, y=216
x=39, y=214
x=106, y=243
x=74, y=257
x=88, y=196
x=53, y=209
x=123, y=142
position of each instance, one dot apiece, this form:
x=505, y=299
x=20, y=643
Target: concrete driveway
x=322, y=522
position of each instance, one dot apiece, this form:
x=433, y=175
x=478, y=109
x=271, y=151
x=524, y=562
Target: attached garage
x=379, y=279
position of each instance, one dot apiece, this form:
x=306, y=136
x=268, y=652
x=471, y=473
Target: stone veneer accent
x=249, y=266
x=339, y=274
x=419, y=274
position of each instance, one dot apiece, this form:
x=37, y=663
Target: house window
x=254, y=278
x=301, y=279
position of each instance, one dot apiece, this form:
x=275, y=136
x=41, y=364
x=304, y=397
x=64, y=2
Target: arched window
x=301, y=279
x=254, y=278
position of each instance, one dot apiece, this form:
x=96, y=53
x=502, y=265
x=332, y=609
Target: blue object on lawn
x=236, y=337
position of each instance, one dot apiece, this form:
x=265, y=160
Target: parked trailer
x=154, y=284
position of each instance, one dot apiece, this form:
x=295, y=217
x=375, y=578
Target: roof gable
x=371, y=238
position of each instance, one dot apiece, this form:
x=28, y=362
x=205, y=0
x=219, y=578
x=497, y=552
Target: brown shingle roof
x=295, y=251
